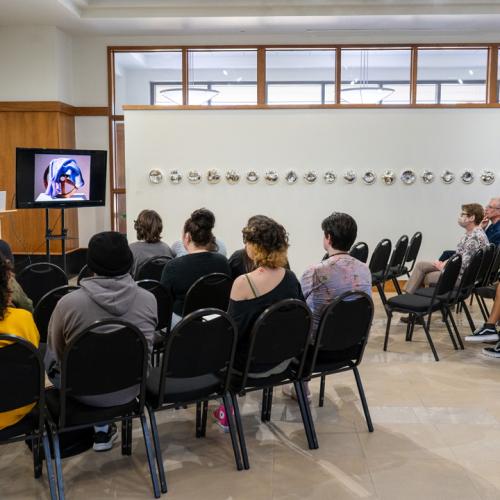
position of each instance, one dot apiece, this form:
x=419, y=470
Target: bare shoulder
x=239, y=290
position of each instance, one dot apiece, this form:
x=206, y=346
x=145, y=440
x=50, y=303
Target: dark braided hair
x=5, y=272
x=269, y=241
x=200, y=226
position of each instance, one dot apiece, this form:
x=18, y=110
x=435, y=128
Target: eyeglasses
x=492, y=208
x=463, y=214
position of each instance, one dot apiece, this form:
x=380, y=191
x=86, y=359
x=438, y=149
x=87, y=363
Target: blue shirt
x=493, y=233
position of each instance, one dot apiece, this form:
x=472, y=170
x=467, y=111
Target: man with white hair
x=491, y=221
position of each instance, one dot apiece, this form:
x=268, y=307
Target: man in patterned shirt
x=322, y=283
x=474, y=238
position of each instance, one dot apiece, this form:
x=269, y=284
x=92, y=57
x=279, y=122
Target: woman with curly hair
x=17, y=322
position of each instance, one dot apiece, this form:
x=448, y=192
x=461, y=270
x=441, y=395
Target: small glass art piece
x=232, y=176
x=329, y=177
x=350, y=176
x=175, y=177
x=291, y=177
x=487, y=177
x=194, y=177
x=252, y=177
x=369, y=177
x=427, y=177
x=310, y=177
x=388, y=177
x=271, y=177
x=155, y=176
x=447, y=177
x=213, y=176
x=408, y=177
x=467, y=177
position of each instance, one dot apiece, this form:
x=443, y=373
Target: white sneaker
x=103, y=441
x=492, y=352
x=483, y=334
x=289, y=390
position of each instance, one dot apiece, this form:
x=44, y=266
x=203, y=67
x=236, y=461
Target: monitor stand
x=50, y=236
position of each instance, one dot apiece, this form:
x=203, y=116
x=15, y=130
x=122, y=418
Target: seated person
x=178, y=248
x=18, y=297
x=148, y=227
x=474, y=238
x=322, y=283
x=488, y=331
x=180, y=273
x=17, y=322
x=240, y=262
x=111, y=293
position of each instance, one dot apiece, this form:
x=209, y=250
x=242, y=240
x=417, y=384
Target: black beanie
x=109, y=254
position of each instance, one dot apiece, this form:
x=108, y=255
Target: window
x=300, y=76
x=451, y=76
x=375, y=76
x=222, y=77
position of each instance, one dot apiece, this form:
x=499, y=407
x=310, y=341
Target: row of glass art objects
x=369, y=177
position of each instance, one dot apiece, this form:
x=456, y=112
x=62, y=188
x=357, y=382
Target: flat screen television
x=60, y=178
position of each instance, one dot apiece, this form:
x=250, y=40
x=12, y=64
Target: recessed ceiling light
x=460, y=81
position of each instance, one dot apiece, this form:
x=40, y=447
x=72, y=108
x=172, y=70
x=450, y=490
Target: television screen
x=60, y=178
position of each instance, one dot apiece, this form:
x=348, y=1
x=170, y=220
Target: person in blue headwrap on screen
x=63, y=178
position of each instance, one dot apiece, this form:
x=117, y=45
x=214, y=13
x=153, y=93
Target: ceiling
x=466, y=18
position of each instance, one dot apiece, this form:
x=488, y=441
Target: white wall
x=319, y=140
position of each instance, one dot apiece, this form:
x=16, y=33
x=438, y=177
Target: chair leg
x=485, y=307
x=199, y=432
x=408, y=333
x=387, y=328
x=204, y=412
x=50, y=469
x=149, y=453
x=37, y=458
x=457, y=333
x=269, y=404
x=126, y=437
x=483, y=312
x=429, y=339
x=397, y=286
x=159, y=457
x=363, y=399
x=263, y=411
x=305, y=415
x=307, y=406
x=239, y=429
x=469, y=317
x=232, y=431
x=57, y=457
x=448, y=327
x=322, y=391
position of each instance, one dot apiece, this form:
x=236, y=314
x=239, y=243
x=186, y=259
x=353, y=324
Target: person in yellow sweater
x=17, y=322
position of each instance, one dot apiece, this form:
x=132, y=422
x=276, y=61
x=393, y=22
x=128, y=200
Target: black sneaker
x=493, y=352
x=103, y=441
x=483, y=334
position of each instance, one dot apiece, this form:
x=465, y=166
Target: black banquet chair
x=418, y=307
x=119, y=355
x=397, y=262
x=359, y=251
x=45, y=307
x=196, y=367
x=165, y=306
x=85, y=272
x=485, y=288
x=211, y=290
x=152, y=269
x=378, y=265
x=341, y=340
x=22, y=366
x=279, y=334
x=39, y=278
x=412, y=254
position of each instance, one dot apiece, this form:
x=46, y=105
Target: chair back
x=483, y=273
x=45, y=307
x=108, y=356
x=380, y=258
x=359, y=251
x=495, y=267
x=280, y=333
x=343, y=329
x=152, y=269
x=448, y=278
x=164, y=301
x=469, y=275
x=210, y=291
x=85, y=272
x=22, y=375
x=398, y=255
x=414, y=248
x=39, y=278
x=202, y=343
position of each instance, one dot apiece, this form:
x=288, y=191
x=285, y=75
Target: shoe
x=289, y=390
x=406, y=320
x=486, y=332
x=493, y=352
x=103, y=441
x=221, y=418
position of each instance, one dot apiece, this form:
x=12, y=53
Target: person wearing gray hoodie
x=110, y=294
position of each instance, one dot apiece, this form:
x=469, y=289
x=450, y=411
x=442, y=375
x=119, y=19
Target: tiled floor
x=437, y=436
